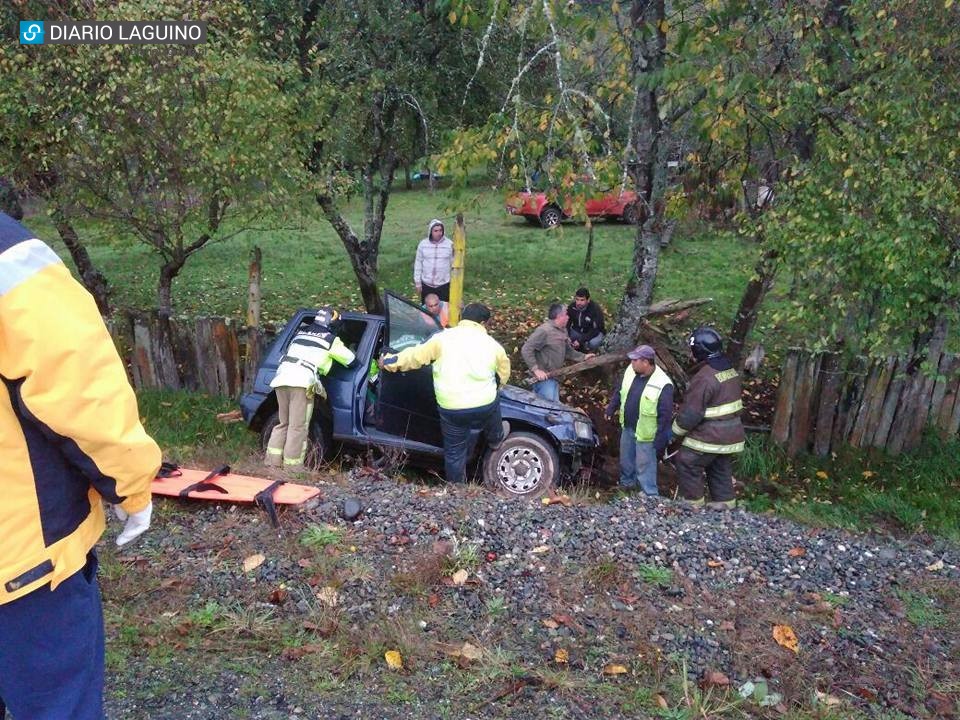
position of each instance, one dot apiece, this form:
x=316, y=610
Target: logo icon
x=31, y=32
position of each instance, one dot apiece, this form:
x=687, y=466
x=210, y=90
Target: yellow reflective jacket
x=465, y=361
x=70, y=433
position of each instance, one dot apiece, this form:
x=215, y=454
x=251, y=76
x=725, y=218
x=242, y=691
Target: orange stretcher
x=223, y=485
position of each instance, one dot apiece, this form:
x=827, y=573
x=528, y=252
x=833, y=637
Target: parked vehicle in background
x=397, y=412
x=549, y=210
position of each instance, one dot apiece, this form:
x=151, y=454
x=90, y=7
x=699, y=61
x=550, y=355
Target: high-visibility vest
x=646, y=429
x=463, y=375
x=308, y=358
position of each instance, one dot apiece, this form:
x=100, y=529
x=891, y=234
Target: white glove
x=135, y=524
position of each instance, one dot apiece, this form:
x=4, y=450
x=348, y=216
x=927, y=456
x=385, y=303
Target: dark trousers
x=460, y=429
x=442, y=291
x=51, y=650
x=692, y=466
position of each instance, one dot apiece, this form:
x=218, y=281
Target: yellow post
x=456, y=272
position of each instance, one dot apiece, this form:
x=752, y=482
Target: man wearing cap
x=645, y=400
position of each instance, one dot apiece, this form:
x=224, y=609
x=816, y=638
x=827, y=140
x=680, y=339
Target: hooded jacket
x=70, y=431
x=434, y=260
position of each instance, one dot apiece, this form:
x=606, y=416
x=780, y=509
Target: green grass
x=510, y=265
x=655, y=575
x=184, y=424
x=317, y=537
x=922, y=610
x=858, y=490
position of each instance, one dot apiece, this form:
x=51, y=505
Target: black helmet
x=705, y=343
x=327, y=317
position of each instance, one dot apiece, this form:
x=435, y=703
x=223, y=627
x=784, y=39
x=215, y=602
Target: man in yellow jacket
x=70, y=437
x=467, y=366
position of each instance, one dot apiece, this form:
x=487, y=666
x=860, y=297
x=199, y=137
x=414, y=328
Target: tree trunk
x=650, y=141
x=363, y=258
x=589, y=257
x=168, y=272
x=92, y=279
x=407, y=176
x=753, y=295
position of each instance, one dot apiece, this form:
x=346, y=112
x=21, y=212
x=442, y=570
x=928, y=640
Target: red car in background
x=537, y=208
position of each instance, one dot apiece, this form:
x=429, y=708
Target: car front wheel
x=318, y=441
x=631, y=214
x=524, y=466
x=550, y=216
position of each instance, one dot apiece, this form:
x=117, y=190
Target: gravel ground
x=553, y=596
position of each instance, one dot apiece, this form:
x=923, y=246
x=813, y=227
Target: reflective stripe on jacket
x=466, y=362
x=308, y=358
x=709, y=420
x=647, y=420
x=70, y=430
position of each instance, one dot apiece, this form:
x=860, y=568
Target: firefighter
x=71, y=438
x=468, y=365
x=708, y=427
x=308, y=358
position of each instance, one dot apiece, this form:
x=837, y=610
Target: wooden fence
x=207, y=354
x=823, y=403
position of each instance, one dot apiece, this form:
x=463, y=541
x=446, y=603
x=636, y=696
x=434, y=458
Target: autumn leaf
x=797, y=552
x=253, y=562
x=785, y=637
x=394, y=659
x=561, y=656
x=329, y=596
x=714, y=678
x=540, y=549
x=433, y=600
x=613, y=669
x=460, y=577
x=936, y=567
x=551, y=623
x=661, y=701
x=714, y=563
x=822, y=475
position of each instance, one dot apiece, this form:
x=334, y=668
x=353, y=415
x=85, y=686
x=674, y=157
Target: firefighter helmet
x=705, y=343
x=327, y=317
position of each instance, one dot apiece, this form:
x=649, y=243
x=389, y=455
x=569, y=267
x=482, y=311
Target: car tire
x=532, y=220
x=631, y=214
x=524, y=466
x=550, y=216
x=318, y=443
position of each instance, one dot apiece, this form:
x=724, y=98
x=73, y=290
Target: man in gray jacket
x=546, y=350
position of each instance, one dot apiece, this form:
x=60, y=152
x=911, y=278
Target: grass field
x=511, y=265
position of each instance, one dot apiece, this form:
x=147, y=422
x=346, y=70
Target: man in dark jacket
x=708, y=425
x=586, y=322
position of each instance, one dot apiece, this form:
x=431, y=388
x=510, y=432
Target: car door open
x=406, y=405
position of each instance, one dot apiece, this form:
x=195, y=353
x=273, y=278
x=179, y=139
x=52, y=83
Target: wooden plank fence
x=204, y=354
x=823, y=405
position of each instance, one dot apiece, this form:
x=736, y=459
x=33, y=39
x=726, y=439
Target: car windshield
x=408, y=325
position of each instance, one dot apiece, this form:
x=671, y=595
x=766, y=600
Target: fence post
x=252, y=360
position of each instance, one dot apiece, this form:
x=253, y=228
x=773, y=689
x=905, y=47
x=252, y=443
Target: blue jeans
x=51, y=650
x=588, y=346
x=460, y=429
x=638, y=463
x=548, y=389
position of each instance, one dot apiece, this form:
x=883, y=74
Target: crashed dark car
x=396, y=413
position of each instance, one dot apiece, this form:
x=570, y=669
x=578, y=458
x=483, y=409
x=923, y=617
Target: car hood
x=527, y=397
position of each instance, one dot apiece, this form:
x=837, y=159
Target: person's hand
x=589, y=355
x=134, y=525
x=540, y=375
x=608, y=414
x=576, y=344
